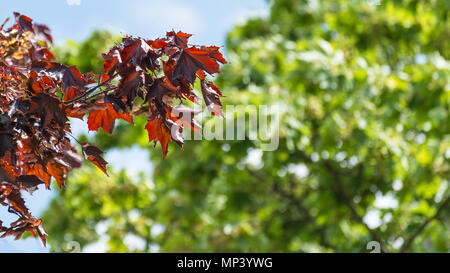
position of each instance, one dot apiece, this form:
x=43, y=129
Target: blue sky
x=75, y=19
x=209, y=21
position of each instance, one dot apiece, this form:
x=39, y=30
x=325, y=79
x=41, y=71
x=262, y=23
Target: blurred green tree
x=87, y=55
x=364, y=143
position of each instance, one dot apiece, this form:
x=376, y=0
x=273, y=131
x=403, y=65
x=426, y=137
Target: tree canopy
x=363, y=154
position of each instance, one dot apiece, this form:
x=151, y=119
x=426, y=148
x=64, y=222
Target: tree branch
x=295, y=202
x=338, y=187
x=339, y=190
x=411, y=239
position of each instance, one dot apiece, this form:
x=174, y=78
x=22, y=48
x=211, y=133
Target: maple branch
x=89, y=91
x=33, y=69
x=103, y=92
x=411, y=239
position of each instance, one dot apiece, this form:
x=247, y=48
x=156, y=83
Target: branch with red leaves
x=37, y=97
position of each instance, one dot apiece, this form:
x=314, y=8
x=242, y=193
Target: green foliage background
x=365, y=92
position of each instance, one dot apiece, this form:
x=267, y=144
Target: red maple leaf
x=93, y=154
x=59, y=172
x=48, y=108
x=134, y=50
x=106, y=118
x=211, y=95
x=70, y=76
x=24, y=23
x=190, y=60
x=180, y=38
x=39, y=171
x=157, y=131
x=130, y=85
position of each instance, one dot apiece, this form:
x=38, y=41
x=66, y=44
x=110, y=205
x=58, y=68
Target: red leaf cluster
x=38, y=95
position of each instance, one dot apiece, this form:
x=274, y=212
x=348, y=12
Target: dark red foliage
x=94, y=155
x=38, y=95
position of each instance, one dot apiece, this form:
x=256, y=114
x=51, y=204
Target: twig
x=103, y=92
x=91, y=90
x=4, y=23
